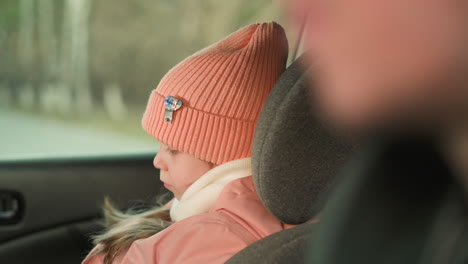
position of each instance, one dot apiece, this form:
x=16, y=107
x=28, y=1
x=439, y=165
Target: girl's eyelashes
x=172, y=151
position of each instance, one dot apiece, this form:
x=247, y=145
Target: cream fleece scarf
x=204, y=192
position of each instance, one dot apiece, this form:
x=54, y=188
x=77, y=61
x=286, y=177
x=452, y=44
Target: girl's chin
x=170, y=188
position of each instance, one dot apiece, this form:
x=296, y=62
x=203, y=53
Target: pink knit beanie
x=208, y=105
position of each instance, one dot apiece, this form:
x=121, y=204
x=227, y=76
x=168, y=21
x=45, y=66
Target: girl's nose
x=159, y=163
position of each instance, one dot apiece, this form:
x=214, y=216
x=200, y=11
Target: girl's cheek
x=182, y=178
x=181, y=182
x=185, y=175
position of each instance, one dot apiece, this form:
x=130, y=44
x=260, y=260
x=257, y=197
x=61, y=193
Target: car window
x=75, y=75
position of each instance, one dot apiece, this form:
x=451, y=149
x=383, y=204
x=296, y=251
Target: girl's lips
x=167, y=186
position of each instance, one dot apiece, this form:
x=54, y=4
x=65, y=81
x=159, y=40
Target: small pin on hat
x=171, y=104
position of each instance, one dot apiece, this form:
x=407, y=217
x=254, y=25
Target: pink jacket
x=237, y=219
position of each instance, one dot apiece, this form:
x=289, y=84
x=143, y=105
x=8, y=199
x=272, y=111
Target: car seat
x=295, y=158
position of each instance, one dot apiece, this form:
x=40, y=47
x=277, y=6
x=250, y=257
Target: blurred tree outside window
x=75, y=75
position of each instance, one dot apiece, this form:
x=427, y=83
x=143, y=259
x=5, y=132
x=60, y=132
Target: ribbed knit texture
x=223, y=89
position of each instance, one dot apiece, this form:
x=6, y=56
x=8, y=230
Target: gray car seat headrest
x=295, y=156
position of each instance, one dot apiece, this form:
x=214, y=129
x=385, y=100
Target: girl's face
x=179, y=170
x=378, y=60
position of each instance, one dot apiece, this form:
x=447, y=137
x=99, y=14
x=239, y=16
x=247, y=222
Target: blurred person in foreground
x=396, y=71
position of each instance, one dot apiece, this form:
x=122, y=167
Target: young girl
x=204, y=112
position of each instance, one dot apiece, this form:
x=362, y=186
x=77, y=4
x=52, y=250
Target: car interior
x=64, y=218
x=75, y=76
x=56, y=203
